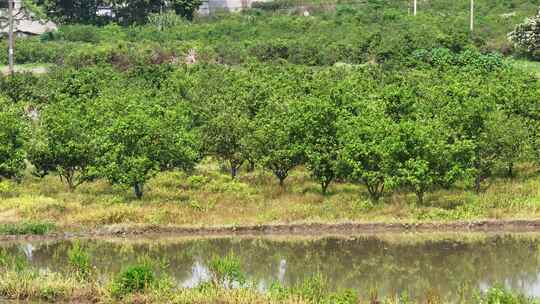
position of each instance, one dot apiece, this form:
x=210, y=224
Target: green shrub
x=32, y=50
x=79, y=261
x=6, y=188
x=135, y=278
x=26, y=227
x=79, y=33
x=500, y=295
x=273, y=5
x=225, y=271
x=343, y=297
x=197, y=181
x=314, y=290
x=17, y=263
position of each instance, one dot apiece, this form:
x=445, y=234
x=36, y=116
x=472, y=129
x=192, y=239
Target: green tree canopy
x=12, y=139
x=64, y=141
x=139, y=139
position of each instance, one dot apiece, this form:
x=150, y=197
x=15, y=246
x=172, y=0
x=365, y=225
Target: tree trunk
x=324, y=187
x=138, y=188
x=234, y=171
x=420, y=197
x=69, y=176
x=477, y=183
x=281, y=175
x=511, y=169
x=375, y=196
x=375, y=190
x=281, y=181
x=71, y=186
x=251, y=166
x=478, y=178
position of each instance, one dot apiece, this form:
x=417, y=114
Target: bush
x=79, y=261
x=6, y=188
x=273, y=5
x=79, y=33
x=32, y=50
x=23, y=228
x=499, y=295
x=135, y=278
x=197, y=181
x=226, y=271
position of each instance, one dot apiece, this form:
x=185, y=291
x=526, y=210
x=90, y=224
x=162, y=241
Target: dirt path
x=4, y=70
x=290, y=229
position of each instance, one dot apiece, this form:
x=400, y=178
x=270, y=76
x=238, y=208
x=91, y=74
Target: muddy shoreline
x=300, y=229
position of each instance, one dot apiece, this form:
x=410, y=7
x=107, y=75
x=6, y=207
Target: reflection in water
x=27, y=249
x=282, y=269
x=440, y=266
x=199, y=274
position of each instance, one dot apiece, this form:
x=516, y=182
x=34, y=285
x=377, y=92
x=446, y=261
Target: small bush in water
x=314, y=290
x=134, y=278
x=499, y=295
x=226, y=271
x=79, y=261
x=17, y=263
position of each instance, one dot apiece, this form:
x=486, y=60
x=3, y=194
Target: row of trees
x=122, y=11
x=428, y=127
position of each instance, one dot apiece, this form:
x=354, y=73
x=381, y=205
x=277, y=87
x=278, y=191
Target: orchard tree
x=225, y=137
x=316, y=120
x=12, y=139
x=71, y=11
x=278, y=140
x=65, y=143
x=461, y=100
x=504, y=142
x=186, y=8
x=141, y=139
x=223, y=105
x=38, y=153
x=369, y=140
x=429, y=155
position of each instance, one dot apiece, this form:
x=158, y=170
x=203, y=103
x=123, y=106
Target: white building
x=26, y=23
x=214, y=6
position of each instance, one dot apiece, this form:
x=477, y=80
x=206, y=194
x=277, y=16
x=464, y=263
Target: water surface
x=441, y=265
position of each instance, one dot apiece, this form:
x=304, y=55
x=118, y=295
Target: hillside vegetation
x=356, y=32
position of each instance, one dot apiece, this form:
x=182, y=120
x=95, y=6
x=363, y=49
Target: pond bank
x=309, y=229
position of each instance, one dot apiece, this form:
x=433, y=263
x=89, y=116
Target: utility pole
x=415, y=6
x=472, y=16
x=11, y=37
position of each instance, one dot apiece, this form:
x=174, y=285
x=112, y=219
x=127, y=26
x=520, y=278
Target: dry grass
x=210, y=198
x=45, y=285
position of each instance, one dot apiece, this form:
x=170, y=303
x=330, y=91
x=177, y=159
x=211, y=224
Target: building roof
x=25, y=22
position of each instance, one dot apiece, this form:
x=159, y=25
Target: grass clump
x=20, y=281
x=226, y=271
x=314, y=289
x=26, y=228
x=500, y=295
x=79, y=262
x=133, y=279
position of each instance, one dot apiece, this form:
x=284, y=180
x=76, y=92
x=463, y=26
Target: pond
x=444, y=265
